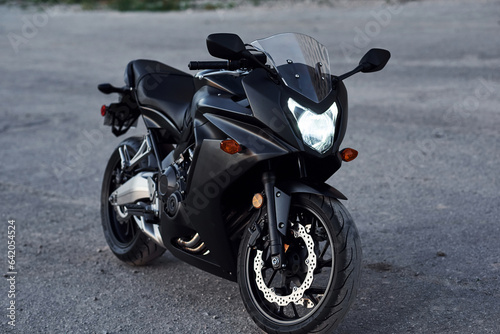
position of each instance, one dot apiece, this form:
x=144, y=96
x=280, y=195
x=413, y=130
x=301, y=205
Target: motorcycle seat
x=163, y=88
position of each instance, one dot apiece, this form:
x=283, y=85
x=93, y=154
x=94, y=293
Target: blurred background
x=424, y=190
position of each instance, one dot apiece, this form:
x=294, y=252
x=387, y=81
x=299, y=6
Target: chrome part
x=209, y=73
x=298, y=291
x=126, y=162
x=121, y=213
x=124, y=156
x=143, y=151
x=150, y=230
x=198, y=249
x=201, y=74
x=155, y=205
x=152, y=188
x=135, y=189
x=194, y=245
x=189, y=243
x=180, y=159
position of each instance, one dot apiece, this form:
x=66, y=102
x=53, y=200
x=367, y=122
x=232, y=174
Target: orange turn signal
x=257, y=201
x=348, y=154
x=230, y=146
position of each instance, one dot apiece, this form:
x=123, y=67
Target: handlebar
x=217, y=65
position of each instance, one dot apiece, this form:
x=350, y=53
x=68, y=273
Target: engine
x=172, y=184
x=171, y=188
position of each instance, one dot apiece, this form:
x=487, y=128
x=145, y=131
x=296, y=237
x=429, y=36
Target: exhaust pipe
x=189, y=243
x=195, y=245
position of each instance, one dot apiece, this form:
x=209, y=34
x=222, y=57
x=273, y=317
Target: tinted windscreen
x=301, y=61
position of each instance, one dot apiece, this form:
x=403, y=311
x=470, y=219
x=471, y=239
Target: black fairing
x=263, y=94
x=213, y=172
x=227, y=83
x=266, y=100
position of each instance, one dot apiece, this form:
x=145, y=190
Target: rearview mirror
x=374, y=60
x=225, y=46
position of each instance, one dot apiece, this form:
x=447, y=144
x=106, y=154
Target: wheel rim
x=270, y=290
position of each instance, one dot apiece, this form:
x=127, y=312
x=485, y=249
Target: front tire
x=123, y=236
x=315, y=291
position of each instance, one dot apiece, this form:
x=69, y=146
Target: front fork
x=278, y=207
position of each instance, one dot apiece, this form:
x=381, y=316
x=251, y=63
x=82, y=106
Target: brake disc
x=298, y=291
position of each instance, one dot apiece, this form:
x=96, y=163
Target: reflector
x=103, y=110
x=230, y=146
x=348, y=154
x=257, y=201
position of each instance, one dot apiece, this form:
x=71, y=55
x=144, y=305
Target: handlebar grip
x=208, y=65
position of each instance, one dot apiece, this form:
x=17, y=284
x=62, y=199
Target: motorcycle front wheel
x=124, y=238
x=319, y=283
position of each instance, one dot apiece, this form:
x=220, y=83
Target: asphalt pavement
x=424, y=191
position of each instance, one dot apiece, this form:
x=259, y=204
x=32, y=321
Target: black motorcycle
x=230, y=176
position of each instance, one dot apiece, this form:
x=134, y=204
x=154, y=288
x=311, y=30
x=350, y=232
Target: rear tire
x=123, y=236
x=335, y=269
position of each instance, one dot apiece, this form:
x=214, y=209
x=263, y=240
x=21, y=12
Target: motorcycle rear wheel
x=315, y=291
x=123, y=236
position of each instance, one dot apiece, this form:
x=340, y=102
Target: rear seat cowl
x=162, y=88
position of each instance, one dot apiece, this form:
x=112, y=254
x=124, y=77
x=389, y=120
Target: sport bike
x=230, y=175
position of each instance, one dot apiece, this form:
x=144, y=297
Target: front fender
x=296, y=187
x=284, y=190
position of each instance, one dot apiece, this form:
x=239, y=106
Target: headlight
x=318, y=130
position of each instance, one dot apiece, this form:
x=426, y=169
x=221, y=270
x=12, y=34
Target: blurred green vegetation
x=159, y=5
x=127, y=5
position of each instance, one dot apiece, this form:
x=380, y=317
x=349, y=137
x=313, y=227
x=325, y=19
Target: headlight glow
x=318, y=130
